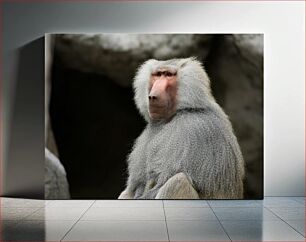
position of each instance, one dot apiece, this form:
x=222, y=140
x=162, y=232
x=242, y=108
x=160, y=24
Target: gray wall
x=24, y=25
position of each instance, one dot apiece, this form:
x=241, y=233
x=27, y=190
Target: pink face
x=162, y=94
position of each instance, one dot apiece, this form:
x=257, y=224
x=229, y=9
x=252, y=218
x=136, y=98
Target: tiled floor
x=274, y=219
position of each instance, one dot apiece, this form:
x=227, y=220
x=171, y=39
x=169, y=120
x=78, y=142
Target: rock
x=50, y=141
x=56, y=185
x=117, y=56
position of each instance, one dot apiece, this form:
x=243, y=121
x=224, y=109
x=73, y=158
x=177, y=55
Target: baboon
x=188, y=149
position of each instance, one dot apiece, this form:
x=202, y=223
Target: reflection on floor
x=274, y=219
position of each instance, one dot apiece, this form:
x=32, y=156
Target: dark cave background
x=94, y=119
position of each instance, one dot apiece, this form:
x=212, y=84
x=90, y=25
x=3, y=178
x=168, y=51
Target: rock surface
x=56, y=185
x=117, y=56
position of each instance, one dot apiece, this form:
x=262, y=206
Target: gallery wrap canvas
x=154, y=116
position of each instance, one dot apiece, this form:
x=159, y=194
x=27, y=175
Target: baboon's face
x=162, y=93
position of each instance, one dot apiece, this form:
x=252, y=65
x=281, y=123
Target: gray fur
x=198, y=141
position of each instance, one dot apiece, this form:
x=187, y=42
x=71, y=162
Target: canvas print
x=154, y=116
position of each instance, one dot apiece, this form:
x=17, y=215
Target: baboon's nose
x=152, y=97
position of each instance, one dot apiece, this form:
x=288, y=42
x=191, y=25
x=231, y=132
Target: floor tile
x=281, y=202
x=70, y=203
x=27, y=231
x=35, y=230
x=185, y=203
x=235, y=203
x=118, y=231
x=7, y=228
x=244, y=214
x=121, y=213
x=289, y=212
x=8, y=223
x=128, y=203
x=298, y=225
x=55, y=230
x=21, y=203
x=300, y=200
x=196, y=231
x=57, y=213
x=189, y=214
x=261, y=231
x=11, y=213
x=140, y=220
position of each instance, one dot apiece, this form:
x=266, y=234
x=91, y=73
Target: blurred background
x=91, y=119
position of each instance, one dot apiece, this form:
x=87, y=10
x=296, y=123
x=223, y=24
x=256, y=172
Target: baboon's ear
x=185, y=61
x=183, y=64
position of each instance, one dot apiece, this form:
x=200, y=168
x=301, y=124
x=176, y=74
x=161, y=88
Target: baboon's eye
x=156, y=73
x=163, y=73
x=159, y=73
x=168, y=73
